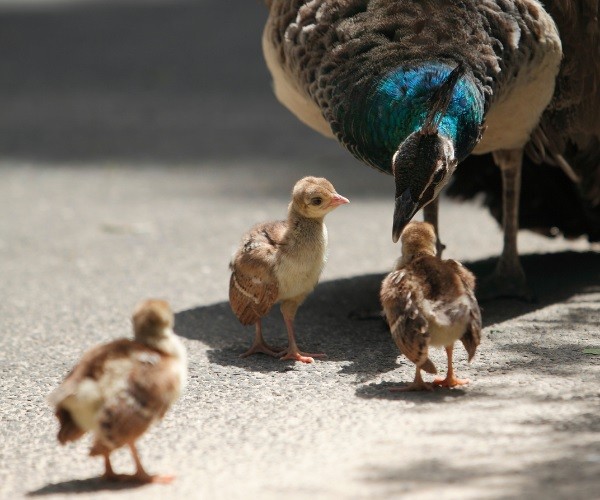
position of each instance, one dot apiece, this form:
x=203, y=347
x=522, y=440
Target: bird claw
x=451, y=381
x=296, y=355
x=265, y=349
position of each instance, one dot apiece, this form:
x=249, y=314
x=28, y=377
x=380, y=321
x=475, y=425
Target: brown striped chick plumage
x=117, y=390
x=430, y=302
x=281, y=262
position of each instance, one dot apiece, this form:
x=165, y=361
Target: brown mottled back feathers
x=472, y=336
x=253, y=286
x=406, y=293
x=408, y=326
x=150, y=389
x=334, y=49
x=68, y=429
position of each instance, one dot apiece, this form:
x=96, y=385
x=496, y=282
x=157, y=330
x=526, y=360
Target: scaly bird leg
x=109, y=473
x=418, y=384
x=141, y=475
x=259, y=344
x=288, y=309
x=430, y=214
x=508, y=279
x=450, y=380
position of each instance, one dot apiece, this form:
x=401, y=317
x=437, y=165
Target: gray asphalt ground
x=138, y=140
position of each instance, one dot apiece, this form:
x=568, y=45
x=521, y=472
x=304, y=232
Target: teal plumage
x=398, y=105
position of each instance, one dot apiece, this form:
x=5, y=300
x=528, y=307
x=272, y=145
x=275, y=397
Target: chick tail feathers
x=69, y=431
x=429, y=367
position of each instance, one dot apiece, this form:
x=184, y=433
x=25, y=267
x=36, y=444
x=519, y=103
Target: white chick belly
x=298, y=277
x=445, y=335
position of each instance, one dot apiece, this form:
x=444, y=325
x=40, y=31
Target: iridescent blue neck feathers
x=398, y=104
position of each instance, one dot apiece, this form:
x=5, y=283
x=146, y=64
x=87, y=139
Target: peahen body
x=413, y=88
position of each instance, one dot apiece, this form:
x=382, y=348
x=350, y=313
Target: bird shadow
x=383, y=390
x=325, y=323
x=89, y=485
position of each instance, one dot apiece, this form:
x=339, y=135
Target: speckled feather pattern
x=572, y=120
x=338, y=51
x=117, y=391
x=431, y=302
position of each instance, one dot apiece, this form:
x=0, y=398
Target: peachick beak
x=404, y=211
x=338, y=200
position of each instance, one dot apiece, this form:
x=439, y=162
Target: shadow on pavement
x=382, y=391
x=323, y=323
x=574, y=474
x=91, y=485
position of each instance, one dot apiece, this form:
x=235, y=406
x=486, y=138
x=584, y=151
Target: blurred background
x=142, y=80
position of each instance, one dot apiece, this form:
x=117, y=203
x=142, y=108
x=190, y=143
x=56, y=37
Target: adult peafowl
x=412, y=88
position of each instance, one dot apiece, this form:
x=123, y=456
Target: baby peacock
x=117, y=390
x=281, y=262
x=429, y=301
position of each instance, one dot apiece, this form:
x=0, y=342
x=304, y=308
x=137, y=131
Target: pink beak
x=338, y=200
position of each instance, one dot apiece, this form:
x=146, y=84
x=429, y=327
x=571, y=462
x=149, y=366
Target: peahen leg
x=418, y=384
x=508, y=279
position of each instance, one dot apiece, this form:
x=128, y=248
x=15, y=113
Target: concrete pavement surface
x=138, y=140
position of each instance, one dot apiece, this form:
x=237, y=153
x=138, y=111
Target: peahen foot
x=505, y=283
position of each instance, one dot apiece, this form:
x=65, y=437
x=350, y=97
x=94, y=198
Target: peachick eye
x=316, y=201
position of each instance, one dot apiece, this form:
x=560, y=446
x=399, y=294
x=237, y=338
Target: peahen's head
x=425, y=160
x=422, y=166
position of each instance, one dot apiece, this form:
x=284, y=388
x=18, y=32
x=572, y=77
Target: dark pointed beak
x=404, y=211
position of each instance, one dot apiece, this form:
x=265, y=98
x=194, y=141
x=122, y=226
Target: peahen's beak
x=404, y=211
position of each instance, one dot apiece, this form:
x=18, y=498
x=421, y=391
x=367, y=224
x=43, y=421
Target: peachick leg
x=418, y=384
x=288, y=309
x=141, y=475
x=450, y=380
x=259, y=344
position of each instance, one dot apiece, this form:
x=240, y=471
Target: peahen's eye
x=438, y=176
x=316, y=201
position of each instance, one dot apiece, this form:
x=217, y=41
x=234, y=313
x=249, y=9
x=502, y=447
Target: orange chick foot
x=296, y=355
x=263, y=348
x=451, y=381
x=159, y=479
